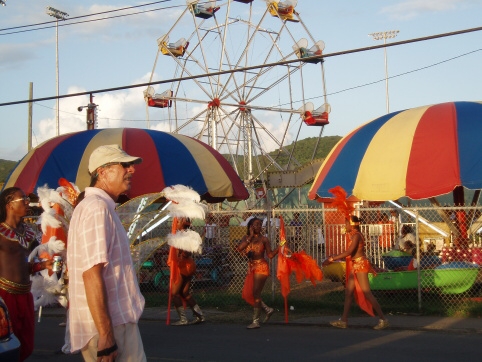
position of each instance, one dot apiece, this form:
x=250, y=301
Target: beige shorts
x=129, y=344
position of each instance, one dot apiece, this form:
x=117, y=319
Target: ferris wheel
x=235, y=86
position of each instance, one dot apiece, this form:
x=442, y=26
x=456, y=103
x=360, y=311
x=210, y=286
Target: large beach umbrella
x=420, y=153
x=168, y=159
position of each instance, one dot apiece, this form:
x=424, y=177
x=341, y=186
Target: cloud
x=14, y=56
x=113, y=110
x=410, y=9
x=119, y=24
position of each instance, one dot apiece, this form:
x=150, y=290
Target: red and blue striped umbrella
x=419, y=153
x=168, y=159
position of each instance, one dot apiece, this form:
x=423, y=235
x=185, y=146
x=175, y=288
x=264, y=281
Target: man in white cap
x=105, y=300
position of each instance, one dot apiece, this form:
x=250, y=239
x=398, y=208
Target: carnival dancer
x=16, y=242
x=357, y=267
x=185, y=204
x=181, y=286
x=255, y=245
x=49, y=288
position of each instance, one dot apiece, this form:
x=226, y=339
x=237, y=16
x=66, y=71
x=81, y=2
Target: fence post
x=417, y=243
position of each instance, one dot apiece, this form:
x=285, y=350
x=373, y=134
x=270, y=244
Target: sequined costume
x=258, y=266
x=359, y=265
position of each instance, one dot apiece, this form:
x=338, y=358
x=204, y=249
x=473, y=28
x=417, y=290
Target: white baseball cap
x=103, y=155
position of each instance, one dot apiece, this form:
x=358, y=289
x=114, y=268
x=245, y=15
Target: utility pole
x=29, y=137
x=91, y=116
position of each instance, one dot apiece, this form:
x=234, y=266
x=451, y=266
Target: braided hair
x=6, y=196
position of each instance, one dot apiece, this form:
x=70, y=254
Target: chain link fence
x=427, y=259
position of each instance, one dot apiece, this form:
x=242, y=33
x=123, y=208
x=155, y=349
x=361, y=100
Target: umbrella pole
x=461, y=219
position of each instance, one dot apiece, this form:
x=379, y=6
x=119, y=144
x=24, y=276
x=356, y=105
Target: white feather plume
x=55, y=245
x=185, y=202
x=187, y=240
x=177, y=193
x=46, y=289
x=187, y=208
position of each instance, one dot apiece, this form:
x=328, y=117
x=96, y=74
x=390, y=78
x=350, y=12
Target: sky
x=122, y=51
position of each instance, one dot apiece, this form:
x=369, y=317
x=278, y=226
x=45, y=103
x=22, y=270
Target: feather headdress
x=340, y=201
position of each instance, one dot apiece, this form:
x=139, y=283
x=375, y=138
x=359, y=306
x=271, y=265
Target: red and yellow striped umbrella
x=419, y=153
x=168, y=159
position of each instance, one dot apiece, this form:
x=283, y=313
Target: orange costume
x=359, y=265
x=186, y=264
x=259, y=266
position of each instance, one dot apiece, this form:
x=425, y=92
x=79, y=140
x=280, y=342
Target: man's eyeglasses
x=25, y=199
x=123, y=164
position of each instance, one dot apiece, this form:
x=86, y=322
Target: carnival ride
x=239, y=82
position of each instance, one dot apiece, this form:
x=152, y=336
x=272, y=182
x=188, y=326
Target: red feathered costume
x=303, y=265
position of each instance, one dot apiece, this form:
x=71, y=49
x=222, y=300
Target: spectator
x=105, y=300
x=407, y=235
x=296, y=225
x=396, y=220
x=209, y=234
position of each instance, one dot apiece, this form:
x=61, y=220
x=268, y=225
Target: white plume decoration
x=187, y=208
x=55, y=245
x=46, y=289
x=177, y=193
x=185, y=202
x=187, y=240
x=48, y=216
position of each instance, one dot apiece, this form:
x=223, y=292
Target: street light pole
x=58, y=15
x=385, y=35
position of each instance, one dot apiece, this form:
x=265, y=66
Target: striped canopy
x=168, y=159
x=419, y=153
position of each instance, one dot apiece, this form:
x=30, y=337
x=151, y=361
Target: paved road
x=280, y=342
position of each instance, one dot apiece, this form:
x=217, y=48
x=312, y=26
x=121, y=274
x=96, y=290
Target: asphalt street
x=282, y=342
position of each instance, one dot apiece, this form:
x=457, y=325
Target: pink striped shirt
x=96, y=235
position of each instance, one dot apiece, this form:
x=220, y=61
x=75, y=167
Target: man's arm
x=97, y=301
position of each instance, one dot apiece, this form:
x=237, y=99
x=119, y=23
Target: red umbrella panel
x=168, y=159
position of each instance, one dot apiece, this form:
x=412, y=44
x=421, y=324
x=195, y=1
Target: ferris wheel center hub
x=214, y=103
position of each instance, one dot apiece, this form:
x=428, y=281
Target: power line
x=310, y=98
x=400, y=74
x=69, y=21
x=244, y=69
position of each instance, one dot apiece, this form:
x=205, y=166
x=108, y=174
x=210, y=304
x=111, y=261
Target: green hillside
x=5, y=168
x=304, y=149
x=303, y=153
